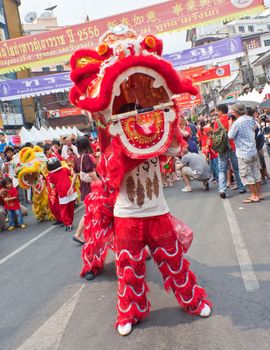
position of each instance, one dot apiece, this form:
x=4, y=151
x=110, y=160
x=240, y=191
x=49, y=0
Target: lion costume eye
x=150, y=41
x=26, y=155
x=102, y=49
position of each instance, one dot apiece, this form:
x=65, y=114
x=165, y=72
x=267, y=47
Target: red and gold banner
x=64, y=112
x=200, y=75
x=57, y=45
x=187, y=101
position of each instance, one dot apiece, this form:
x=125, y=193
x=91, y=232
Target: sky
x=74, y=11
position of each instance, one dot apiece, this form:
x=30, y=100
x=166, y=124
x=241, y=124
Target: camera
x=232, y=117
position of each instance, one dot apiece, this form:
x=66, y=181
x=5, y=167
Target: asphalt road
x=44, y=304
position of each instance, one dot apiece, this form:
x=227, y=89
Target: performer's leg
x=71, y=211
x=98, y=233
x=168, y=254
x=64, y=208
x=130, y=265
x=55, y=208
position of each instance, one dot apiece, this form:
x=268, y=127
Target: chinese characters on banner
x=54, y=46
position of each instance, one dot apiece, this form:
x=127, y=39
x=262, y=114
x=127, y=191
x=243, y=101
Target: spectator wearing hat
x=242, y=131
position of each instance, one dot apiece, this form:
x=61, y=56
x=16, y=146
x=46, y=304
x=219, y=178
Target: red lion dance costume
x=128, y=88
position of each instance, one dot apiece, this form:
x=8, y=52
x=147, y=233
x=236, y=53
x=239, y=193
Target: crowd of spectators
x=226, y=147
x=78, y=154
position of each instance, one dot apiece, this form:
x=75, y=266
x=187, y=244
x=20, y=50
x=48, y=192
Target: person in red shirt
x=12, y=204
x=59, y=178
x=49, y=153
x=211, y=156
x=203, y=137
x=70, y=159
x=229, y=155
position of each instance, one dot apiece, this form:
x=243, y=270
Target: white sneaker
x=187, y=189
x=125, y=329
x=206, y=311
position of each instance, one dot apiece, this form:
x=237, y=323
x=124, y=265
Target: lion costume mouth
x=147, y=131
x=29, y=179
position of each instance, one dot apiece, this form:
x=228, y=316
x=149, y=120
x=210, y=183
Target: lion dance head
x=30, y=163
x=126, y=73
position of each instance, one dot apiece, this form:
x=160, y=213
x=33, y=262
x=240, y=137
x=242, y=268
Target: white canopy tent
x=70, y=130
x=63, y=131
x=36, y=135
x=25, y=135
x=253, y=96
x=46, y=135
x=266, y=91
x=53, y=133
x=77, y=132
x=58, y=132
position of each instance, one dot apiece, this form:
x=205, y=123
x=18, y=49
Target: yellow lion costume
x=31, y=171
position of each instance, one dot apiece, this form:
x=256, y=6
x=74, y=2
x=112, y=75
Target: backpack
x=193, y=132
x=220, y=139
x=192, y=146
x=259, y=137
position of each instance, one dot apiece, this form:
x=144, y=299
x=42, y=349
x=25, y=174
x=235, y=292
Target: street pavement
x=44, y=304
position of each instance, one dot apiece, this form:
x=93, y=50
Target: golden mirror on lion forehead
x=82, y=62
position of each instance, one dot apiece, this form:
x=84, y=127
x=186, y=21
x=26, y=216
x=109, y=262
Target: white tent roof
x=79, y=132
x=63, y=131
x=46, y=134
x=36, y=135
x=53, y=133
x=76, y=131
x=25, y=135
x=69, y=130
x=266, y=91
x=253, y=96
x=57, y=132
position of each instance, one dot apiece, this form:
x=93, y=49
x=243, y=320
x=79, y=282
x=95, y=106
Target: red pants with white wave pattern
x=131, y=237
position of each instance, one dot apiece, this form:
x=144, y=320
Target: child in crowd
x=49, y=153
x=211, y=156
x=167, y=171
x=59, y=178
x=12, y=204
x=70, y=159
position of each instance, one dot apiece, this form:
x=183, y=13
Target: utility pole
x=245, y=70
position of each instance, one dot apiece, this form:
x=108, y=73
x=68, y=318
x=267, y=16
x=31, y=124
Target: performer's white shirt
x=68, y=199
x=144, y=200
